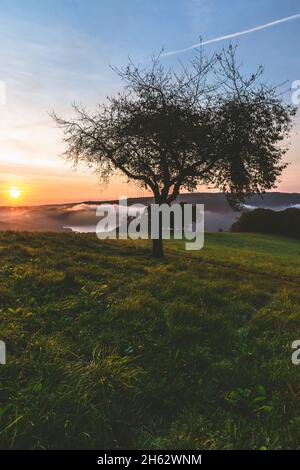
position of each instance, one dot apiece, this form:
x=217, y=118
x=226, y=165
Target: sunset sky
x=56, y=52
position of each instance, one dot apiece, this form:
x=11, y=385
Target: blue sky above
x=55, y=52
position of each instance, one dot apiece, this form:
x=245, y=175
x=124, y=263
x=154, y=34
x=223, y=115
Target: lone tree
x=171, y=130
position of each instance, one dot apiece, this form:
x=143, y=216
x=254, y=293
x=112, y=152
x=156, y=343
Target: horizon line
x=87, y=201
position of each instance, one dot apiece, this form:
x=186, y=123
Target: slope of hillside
x=108, y=348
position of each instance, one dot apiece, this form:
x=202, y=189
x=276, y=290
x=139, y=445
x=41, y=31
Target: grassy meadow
x=108, y=348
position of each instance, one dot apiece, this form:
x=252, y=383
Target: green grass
x=108, y=348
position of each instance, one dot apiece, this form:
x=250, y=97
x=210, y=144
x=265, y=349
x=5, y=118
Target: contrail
x=233, y=35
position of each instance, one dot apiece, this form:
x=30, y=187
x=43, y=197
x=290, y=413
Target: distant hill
x=217, y=202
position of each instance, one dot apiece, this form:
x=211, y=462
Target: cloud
x=233, y=35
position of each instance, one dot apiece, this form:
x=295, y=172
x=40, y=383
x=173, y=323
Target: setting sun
x=14, y=193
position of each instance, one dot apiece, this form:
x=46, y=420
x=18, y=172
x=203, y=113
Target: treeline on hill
x=285, y=222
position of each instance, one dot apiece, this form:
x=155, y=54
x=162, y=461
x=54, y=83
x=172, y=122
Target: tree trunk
x=157, y=248
x=157, y=244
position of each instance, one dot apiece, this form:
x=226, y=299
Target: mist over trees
x=171, y=129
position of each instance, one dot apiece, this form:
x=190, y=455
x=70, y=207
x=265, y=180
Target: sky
x=56, y=52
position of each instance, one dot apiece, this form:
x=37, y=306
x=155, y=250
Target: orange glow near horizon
x=32, y=163
x=41, y=189
x=28, y=180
